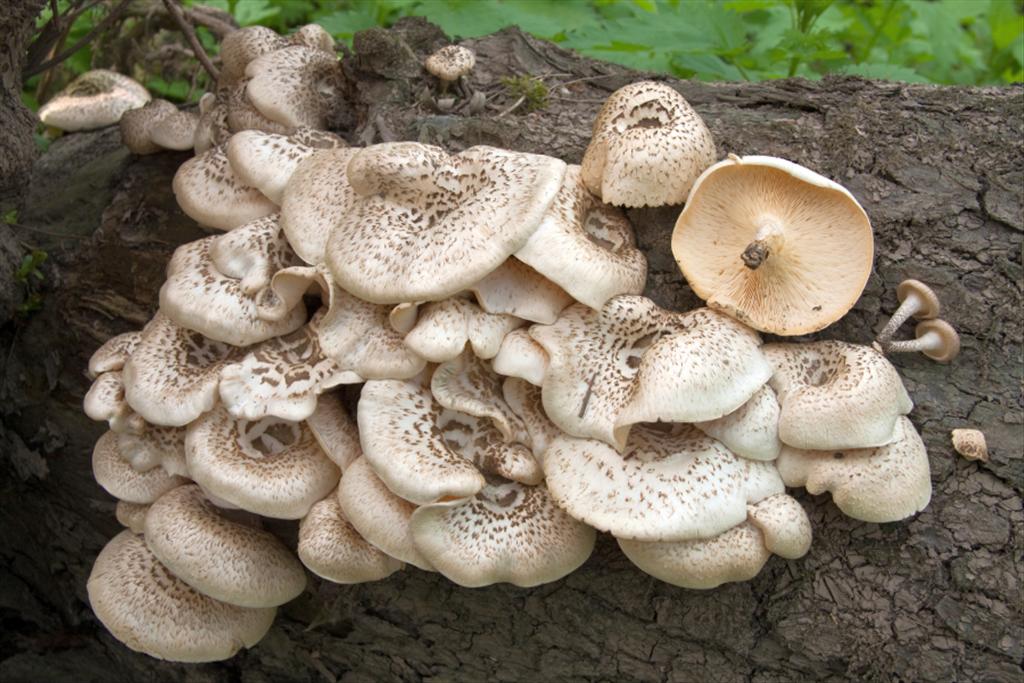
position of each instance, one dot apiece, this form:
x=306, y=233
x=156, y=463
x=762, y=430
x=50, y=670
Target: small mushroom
x=114, y=472
x=152, y=611
x=449, y=64
x=934, y=338
x=970, y=443
x=916, y=299
x=95, y=99
x=773, y=244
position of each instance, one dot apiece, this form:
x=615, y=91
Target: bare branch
x=174, y=8
x=85, y=40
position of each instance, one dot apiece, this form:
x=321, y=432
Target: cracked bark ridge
x=936, y=597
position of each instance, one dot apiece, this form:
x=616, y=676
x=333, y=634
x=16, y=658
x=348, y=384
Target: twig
x=174, y=8
x=511, y=109
x=45, y=232
x=96, y=30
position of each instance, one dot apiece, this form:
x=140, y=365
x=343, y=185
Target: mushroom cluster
x=518, y=393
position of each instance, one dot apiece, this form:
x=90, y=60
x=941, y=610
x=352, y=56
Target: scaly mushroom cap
x=332, y=548
x=451, y=62
x=429, y=224
x=267, y=161
x=131, y=515
x=882, y=484
x=970, y=443
x=671, y=483
x=635, y=362
x=515, y=288
x=525, y=401
x=335, y=431
x=221, y=287
x=404, y=440
x=242, y=46
x=155, y=447
x=777, y=524
x=443, y=328
x=172, y=377
x=210, y=193
x=272, y=467
x=506, y=532
x=586, y=247
x=212, y=128
x=314, y=36
x=282, y=377
x=95, y=99
x=836, y=395
x=648, y=147
x=175, y=131
x=113, y=354
x=295, y=86
x=136, y=126
x=152, y=611
x=243, y=116
x=314, y=201
x=105, y=402
x=520, y=356
x=381, y=517
x=752, y=430
x=113, y=471
x=774, y=244
x=228, y=561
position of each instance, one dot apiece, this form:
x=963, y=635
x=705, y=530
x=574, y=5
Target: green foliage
x=29, y=275
x=532, y=90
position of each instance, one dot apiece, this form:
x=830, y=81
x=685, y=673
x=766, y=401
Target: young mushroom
x=934, y=338
x=450, y=64
x=916, y=299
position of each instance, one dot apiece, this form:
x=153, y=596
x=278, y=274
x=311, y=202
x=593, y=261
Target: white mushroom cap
x=175, y=131
x=836, y=395
x=210, y=193
x=152, y=611
x=228, y=561
x=451, y=62
x=222, y=286
x=525, y=401
x=507, y=532
x=335, y=431
x=131, y=515
x=314, y=36
x=240, y=47
x=115, y=474
x=401, y=439
x=317, y=196
x=242, y=115
x=429, y=224
x=172, y=376
x=635, y=362
x=136, y=126
x=272, y=467
x=882, y=484
x=752, y=430
x=113, y=354
x=267, y=161
x=774, y=244
x=648, y=147
x=443, y=328
x=381, y=517
x=515, y=288
x=585, y=247
x=671, y=483
x=784, y=524
x=95, y=99
x=332, y=548
x=520, y=356
x=105, y=402
x=295, y=86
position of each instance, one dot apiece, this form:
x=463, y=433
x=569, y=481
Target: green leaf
x=11, y=217
x=250, y=12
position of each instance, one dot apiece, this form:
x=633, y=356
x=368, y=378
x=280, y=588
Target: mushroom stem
x=911, y=305
x=930, y=341
x=768, y=237
x=935, y=338
x=916, y=299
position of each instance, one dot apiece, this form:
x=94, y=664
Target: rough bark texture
x=936, y=597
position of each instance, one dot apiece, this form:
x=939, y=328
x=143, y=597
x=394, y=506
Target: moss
x=532, y=90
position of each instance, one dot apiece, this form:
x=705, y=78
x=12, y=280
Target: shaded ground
x=938, y=597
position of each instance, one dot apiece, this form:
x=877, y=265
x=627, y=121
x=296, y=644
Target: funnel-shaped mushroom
x=648, y=147
x=882, y=484
x=520, y=356
x=231, y=562
x=936, y=339
x=210, y=193
x=835, y=395
x=272, y=467
x=585, y=246
x=443, y=328
x=296, y=86
x=752, y=430
x=506, y=532
x=774, y=244
x=95, y=99
x=267, y=161
x=332, y=548
x=172, y=376
x=222, y=287
x=317, y=196
x=114, y=472
x=105, y=402
x=634, y=362
x=150, y=610
x=381, y=517
x=777, y=524
x=672, y=482
x=429, y=224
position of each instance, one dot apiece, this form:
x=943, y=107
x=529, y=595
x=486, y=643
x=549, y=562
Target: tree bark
x=936, y=597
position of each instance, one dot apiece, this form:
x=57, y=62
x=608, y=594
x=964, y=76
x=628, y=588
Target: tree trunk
x=936, y=597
